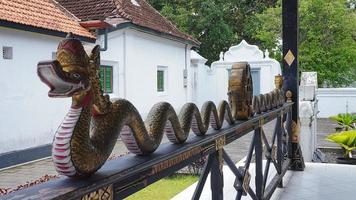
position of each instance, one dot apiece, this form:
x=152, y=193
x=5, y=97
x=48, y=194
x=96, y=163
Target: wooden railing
x=126, y=175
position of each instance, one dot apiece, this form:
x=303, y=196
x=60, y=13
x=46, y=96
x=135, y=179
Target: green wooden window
x=106, y=78
x=160, y=80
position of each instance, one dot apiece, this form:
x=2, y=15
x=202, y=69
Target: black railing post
x=258, y=160
x=290, y=134
x=202, y=180
x=216, y=177
x=280, y=156
x=290, y=74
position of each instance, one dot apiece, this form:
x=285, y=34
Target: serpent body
x=93, y=137
x=87, y=135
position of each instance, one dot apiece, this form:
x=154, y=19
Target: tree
x=217, y=24
x=204, y=21
x=327, y=31
x=326, y=40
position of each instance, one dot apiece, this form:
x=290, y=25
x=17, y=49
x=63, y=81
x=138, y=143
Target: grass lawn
x=165, y=188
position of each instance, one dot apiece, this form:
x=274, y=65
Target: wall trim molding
x=331, y=92
x=26, y=155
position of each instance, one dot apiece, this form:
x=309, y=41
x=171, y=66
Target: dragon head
x=69, y=74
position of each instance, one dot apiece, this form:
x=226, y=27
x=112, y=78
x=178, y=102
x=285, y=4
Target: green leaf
x=346, y=139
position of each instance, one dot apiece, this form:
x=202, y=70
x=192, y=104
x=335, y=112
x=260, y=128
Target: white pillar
x=308, y=110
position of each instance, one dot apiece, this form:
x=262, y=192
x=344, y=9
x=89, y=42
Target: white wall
x=28, y=116
x=144, y=54
x=115, y=56
x=333, y=101
x=203, y=80
x=138, y=55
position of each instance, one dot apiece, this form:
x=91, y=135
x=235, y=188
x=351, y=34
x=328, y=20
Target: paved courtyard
x=325, y=126
x=321, y=181
x=19, y=175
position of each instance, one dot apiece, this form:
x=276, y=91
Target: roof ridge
x=121, y=10
x=114, y=10
x=167, y=20
x=69, y=14
x=62, y=8
x=125, y=11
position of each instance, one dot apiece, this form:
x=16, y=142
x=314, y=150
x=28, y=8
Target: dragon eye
x=75, y=75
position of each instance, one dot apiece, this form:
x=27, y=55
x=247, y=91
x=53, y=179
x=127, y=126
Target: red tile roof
x=90, y=9
x=46, y=14
x=123, y=11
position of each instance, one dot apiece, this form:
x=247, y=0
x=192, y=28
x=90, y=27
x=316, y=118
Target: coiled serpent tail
x=144, y=137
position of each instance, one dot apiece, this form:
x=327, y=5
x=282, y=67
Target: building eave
x=151, y=31
x=44, y=31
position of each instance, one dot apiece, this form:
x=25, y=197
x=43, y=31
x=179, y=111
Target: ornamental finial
x=289, y=96
x=278, y=81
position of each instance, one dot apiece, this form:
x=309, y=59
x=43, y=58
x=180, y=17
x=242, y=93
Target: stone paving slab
x=325, y=127
x=321, y=181
x=20, y=174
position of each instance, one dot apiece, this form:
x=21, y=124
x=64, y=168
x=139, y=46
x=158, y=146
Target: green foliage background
x=327, y=39
x=217, y=24
x=327, y=33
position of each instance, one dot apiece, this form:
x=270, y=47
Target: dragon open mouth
x=51, y=73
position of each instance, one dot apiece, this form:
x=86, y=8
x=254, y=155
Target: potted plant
x=347, y=141
x=346, y=121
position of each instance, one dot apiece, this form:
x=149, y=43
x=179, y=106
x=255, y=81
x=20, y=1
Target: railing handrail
x=128, y=174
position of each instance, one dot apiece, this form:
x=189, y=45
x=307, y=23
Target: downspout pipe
x=186, y=75
x=124, y=61
x=105, y=40
x=98, y=26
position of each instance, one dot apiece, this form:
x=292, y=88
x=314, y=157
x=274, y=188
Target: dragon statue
x=86, y=137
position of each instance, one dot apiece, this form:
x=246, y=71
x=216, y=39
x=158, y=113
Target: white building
x=147, y=68
x=148, y=56
x=28, y=117
x=263, y=69
x=147, y=61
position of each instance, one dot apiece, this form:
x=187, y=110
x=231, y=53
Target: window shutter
x=160, y=80
x=108, y=79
